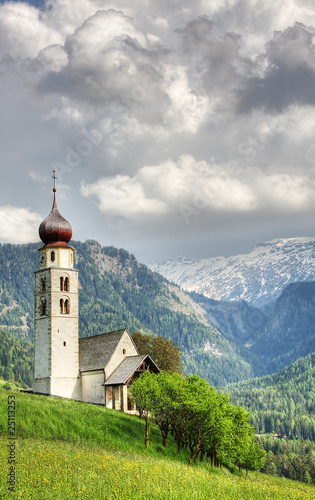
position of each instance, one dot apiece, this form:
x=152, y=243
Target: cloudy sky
x=175, y=127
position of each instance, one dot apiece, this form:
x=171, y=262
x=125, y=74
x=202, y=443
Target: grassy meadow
x=66, y=449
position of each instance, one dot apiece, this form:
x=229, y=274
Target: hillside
x=289, y=330
x=69, y=449
x=16, y=359
x=257, y=277
x=279, y=335
x=283, y=402
x=115, y=292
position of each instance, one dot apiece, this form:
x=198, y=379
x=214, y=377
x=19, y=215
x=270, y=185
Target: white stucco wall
x=63, y=257
x=56, y=334
x=92, y=389
x=125, y=344
x=66, y=387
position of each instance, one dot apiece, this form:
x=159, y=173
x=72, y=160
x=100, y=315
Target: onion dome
x=55, y=230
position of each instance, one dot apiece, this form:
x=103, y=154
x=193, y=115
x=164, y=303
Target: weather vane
x=54, y=177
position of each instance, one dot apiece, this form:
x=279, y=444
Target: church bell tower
x=56, y=311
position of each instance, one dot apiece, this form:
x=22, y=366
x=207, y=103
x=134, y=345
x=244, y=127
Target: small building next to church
x=98, y=369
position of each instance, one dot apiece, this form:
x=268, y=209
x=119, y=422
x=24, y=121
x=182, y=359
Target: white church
x=98, y=369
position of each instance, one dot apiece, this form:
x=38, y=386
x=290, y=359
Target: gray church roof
x=126, y=368
x=96, y=351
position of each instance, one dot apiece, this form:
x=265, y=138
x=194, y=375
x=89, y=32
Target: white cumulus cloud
x=18, y=225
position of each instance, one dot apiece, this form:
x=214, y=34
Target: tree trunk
x=147, y=432
x=196, y=456
x=164, y=428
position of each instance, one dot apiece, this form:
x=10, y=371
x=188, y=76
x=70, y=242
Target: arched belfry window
x=53, y=256
x=67, y=306
x=64, y=284
x=64, y=306
x=43, y=307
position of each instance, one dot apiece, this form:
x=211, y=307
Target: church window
x=52, y=256
x=66, y=285
x=124, y=351
x=64, y=343
x=64, y=306
x=67, y=306
x=43, y=285
x=43, y=307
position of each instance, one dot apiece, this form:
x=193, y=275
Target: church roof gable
x=126, y=368
x=95, y=352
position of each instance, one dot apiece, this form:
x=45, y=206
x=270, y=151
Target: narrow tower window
x=67, y=306
x=43, y=285
x=52, y=256
x=64, y=284
x=43, y=307
x=61, y=306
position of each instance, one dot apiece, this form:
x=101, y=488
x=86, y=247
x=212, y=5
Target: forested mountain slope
x=115, y=292
x=283, y=405
x=283, y=402
x=16, y=359
x=278, y=336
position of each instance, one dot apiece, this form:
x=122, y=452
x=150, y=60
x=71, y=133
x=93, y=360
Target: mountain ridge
x=257, y=277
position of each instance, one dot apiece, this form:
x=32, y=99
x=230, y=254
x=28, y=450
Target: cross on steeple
x=54, y=177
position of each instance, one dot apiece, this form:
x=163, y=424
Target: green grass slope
x=66, y=449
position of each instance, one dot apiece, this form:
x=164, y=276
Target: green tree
x=169, y=390
x=307, y=477
x=242, y=432
x=144, y=392
x=165, y=353
x=254, y=456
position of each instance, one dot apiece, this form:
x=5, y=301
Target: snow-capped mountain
x=257, y=277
